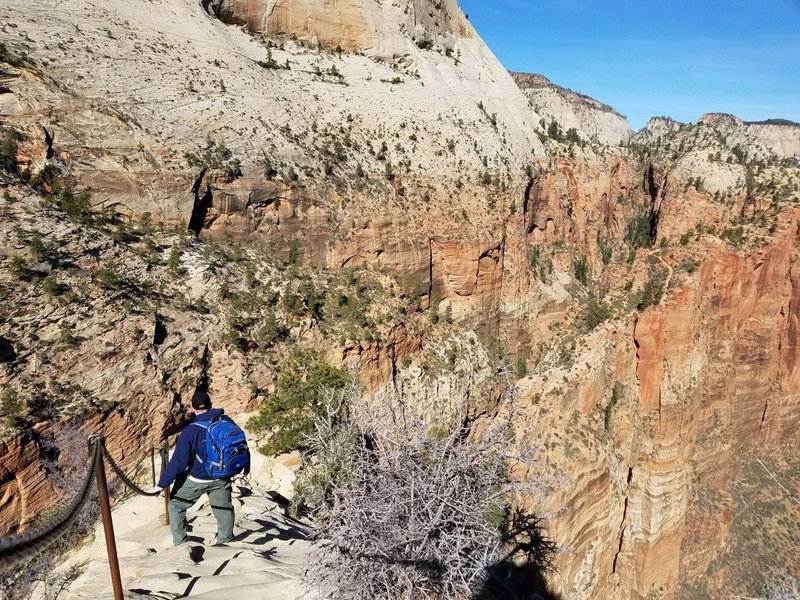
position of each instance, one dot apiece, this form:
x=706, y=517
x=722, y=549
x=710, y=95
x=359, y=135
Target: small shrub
x=522, y=367
x=108, y=279
x=616, y=395
x=271, y=332
x=448, y=314
x=8, y=150
x=10, y=408
x=52, y=287
x=554, y=131
x=67, y=337
x=651, y=292
x=268, y=168
x=434, y=313
x=289, y=413
x=783, y=588
x=174, y=260
x=572, y=136
x=639, y=232
x=417, y=510
x=735, y=236
x=606, y=251
x=77, y=206
x=566, y=351
x=215, y=155
x=19, y=268
x=581, y=268
x=596, y=313
x=36, y=246
x=534, y=253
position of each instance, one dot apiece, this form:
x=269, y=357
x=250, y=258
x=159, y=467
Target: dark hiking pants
x=186, y=492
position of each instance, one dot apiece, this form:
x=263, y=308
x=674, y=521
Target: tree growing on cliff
x=289, y=413
x=410, y=511
x=8, y=150
x=581, y=267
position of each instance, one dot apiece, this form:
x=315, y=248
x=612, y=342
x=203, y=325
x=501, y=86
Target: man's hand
x=156, y=490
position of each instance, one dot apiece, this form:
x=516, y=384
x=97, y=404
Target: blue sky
x=678, y=58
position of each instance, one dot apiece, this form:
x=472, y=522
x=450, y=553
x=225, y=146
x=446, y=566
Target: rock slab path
x=265, y=559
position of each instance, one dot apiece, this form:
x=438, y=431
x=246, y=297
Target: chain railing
x=19, y=549
x=125, y=479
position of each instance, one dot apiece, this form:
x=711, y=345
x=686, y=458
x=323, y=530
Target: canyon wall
x=651, y=291
x=654, y=413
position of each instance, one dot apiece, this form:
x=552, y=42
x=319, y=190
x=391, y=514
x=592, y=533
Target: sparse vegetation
x=372, y=488
x=215, y=155
x=288, y=414
x=639, y=232
x=735, y=236
x=617, y=392
x=77, y=206
x=36, y=246
x=8, y=150
x=108, y=278
x=652, y=291
x=597, y=312
x=10, y=408
x=522, y=367
x=581, y=269
x=18, y=268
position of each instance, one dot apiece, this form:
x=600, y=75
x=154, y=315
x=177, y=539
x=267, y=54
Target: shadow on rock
x=521, y=575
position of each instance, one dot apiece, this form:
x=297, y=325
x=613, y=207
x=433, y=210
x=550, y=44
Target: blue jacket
x=190, y=451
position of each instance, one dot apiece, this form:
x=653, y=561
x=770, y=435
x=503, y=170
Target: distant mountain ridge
x=592, y=119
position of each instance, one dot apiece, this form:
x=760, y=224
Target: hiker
x=209, y=452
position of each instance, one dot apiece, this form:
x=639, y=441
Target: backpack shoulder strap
x=202, y=425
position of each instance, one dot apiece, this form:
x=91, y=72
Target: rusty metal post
x=153, y=463
x=108, y=525
x=164, y=456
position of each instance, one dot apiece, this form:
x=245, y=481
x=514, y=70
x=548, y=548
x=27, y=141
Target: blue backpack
x=226, y=447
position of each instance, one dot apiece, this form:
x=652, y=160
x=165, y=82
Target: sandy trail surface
x=265, y=559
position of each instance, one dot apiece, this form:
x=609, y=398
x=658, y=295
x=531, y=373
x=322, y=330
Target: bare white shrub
x=406, y=511
x=784, y=588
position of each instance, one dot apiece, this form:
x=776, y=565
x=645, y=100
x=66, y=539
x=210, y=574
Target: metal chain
x=17, y=549
x=125, y=478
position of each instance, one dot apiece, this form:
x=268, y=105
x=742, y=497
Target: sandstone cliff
x=370, y=27
x=369, y=181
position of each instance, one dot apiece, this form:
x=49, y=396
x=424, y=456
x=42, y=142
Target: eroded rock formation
x=653, y=290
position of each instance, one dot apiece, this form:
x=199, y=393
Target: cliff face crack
x=159, y=331
x=7, y=352
x=530, y=204
x=201, y=205
x=638, y=358
x=526, y=197
x=652, y=189
x=763, y=417
x=622, y=524
x=48, y=142
x=430, y=272
x=203, y=379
